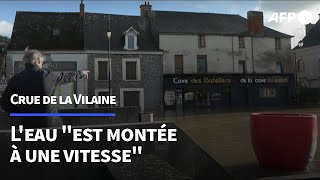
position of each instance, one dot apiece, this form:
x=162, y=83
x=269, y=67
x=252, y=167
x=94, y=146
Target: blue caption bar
x=62, y=114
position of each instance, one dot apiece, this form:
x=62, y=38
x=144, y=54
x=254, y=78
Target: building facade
x=307, y=57
x=204, y=47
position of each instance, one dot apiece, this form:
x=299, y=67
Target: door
x=131, y=98
x=179, y=99
x=283, y=96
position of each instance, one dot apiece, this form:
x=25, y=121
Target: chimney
x=144, y=8
x=81, y=9
x=255, y=23
x=308, y=27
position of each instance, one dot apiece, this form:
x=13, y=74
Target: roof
x=209, y=23
x=36, y=29
x=97, y=24
x=77, y=33
x=312, y=38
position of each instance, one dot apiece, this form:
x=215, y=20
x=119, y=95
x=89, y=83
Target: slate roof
x=96, y=26
x=208, y=23
x=313, y=36
x=88, y=33
x=36, y=29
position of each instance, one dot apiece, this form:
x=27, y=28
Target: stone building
x=307, y=57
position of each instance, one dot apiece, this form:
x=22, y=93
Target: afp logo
x=304, y=17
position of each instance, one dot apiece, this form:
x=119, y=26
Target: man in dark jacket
x=36, y=81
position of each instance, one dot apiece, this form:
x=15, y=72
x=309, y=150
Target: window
x=267, y=93
x=242, y=67
x=279, y=68
x=102, y=92
x=301, y=65
x=101, y=69
x=47, y=57
x=131, y=38
x=178, y=64
x=132, y=97
x=130, y=42
x=201, y=41
x=278, y=43
x=202, y=64
x=131, y=69
x=241, y=42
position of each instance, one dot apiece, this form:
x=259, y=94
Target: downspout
x=232, y=52
x=252, y=58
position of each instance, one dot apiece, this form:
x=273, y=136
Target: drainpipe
x=232, y=52
x=252, y=59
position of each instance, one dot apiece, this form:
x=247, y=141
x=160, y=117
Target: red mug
x=284, y=141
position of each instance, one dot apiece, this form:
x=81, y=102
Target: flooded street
x=226, y=136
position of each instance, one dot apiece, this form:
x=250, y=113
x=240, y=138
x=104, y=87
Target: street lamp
x=108, y=33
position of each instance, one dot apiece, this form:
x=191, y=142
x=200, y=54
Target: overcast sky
x=294, y=27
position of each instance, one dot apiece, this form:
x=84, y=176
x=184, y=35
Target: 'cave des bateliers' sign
x=202, y=80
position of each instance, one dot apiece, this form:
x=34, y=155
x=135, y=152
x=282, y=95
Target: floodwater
x=226, y=138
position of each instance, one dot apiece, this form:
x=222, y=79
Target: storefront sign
x=262, y=80
x=202, y=80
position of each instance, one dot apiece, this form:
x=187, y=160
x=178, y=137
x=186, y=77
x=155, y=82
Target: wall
x=310, y=76
x=151, y=78
x=221, y=57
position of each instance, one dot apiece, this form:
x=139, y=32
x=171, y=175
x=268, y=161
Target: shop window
x=241, y=42
x=202, y=64
x=267, y=92
x=189, y=96
x=56, y=32
x=202, y=97
x=242, y=67
x=169, y=98
x=201, y=41
x=178, y=64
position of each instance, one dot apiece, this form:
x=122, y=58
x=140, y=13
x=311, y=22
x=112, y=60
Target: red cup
x=284, y=141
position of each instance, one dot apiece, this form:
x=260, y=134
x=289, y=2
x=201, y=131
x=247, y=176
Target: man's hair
x=31, y=56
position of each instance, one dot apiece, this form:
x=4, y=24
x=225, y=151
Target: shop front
x=223, y=91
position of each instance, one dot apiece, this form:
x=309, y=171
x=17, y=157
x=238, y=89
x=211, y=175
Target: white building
x=307, y=57
x=220, y=43
x=211, y=59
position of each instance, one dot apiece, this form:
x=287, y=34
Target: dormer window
x=131, y=39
